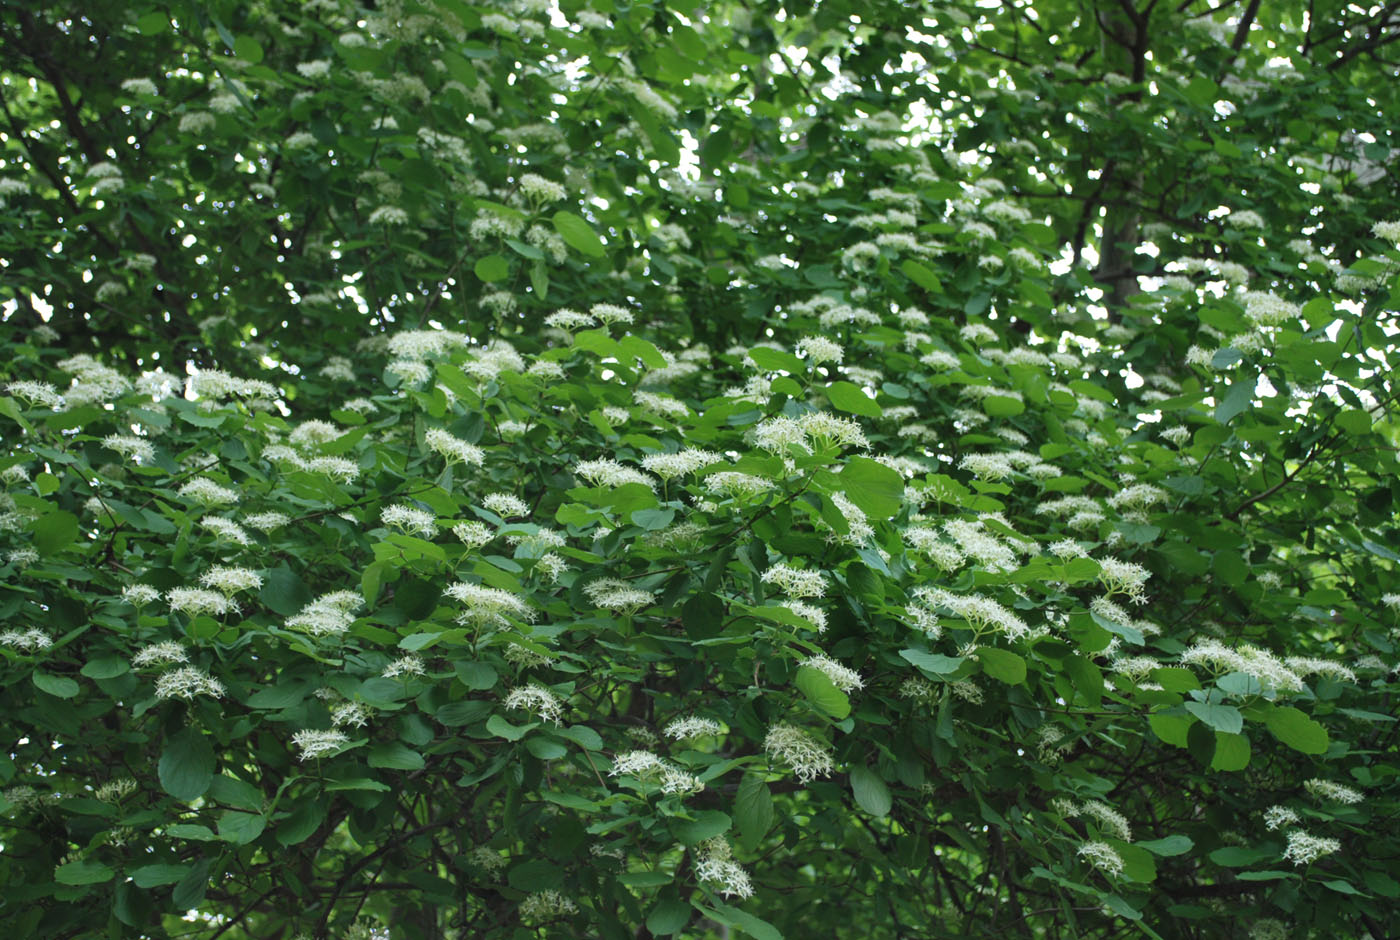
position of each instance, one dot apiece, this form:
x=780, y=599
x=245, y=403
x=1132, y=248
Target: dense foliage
x=623, y=470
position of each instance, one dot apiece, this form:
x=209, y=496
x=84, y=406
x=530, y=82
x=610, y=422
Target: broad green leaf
x=876, y=489
x=57, y=686
x=871, y=793
x=1002, y=664
x=578, y=234
x=54, y=532
x=241, y=828
x=1225, y=718
x=492, y=268
x=83, y=873
x=753, y=810
x=848, y=397
x=922, y=275
x=395, y=755
x=1168, y=846
x=822, y=692
x=186, y=766
x=1296, y=729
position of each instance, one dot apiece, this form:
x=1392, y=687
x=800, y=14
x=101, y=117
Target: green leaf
x=241, y=828
x=1297, y=730
x=304, y=820
x=1003, y=406
x=775, y=360
x=578, y=234
x=740, y=920
x=1238, y=398
x=57, y=686
x=492, y=268
x=186, y=767
x=705, y=825
x=668, y=917
x=822, y=692
x=1231, y=752
x=1226, y=718
x=1237, y=856
x=54, y=532
x=83, y=873
x=235, y=792
x=476, y=676
x=105, y=667
x=753, y=811
x=848, y=397
x=1002, y=664
x=152, y=23
x=535, y=875
x=876, y=489
x=153, y=876
x=1168, y=846
x=504, y=729
x=248, y=49
x=283, y=591
x=871, y=793
x=935, y=663
x=922, y=276
x=395, y=755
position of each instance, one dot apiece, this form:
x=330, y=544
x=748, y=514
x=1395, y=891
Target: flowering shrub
x=482, y=472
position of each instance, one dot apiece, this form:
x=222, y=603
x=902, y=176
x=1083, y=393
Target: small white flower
x=506, y=506
x=316, y=743
x=807, y=756
x=1102, y=856
x=408, y=519
x=537, y=699
x=186, y=682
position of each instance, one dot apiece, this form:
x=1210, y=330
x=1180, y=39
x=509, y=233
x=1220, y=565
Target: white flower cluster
x=26, y=640
x=819, y=349
x=186, y=682
x=715, y=865
x=667, y=466
x=316, y=743
x=197, y=601
x=506, y=506
x=229, y=580
x=1122, y=577
x=488, y=606
x=206, y=492
x=226, y=529
x=1110, y=818
x=1336, y=792
x=843, y=677
x=454, y=449
x=776, y=435
x=1304, y=849
x=408, y=519
x=607, y=472
x=692, y=726
x=813, y=615
x=1277, y=817
x=617, y=595
x=1102, y=856
x=409, y=665
x=736, y=484
x=646, y=766
x=137, y=449
x=981, y=612
x=37, y=393
x=162, y=653
x=796, y=582
x=328, y=615
x=537, y=699
x=550, y=903
x=808, y=757
x=1261, y=664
